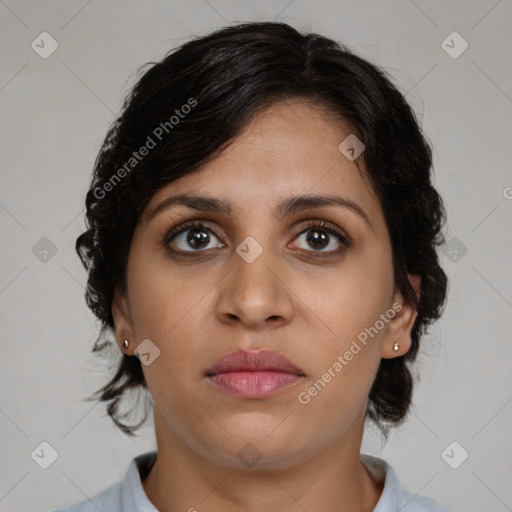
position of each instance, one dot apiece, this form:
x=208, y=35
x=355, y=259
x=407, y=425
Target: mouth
x=254, y=374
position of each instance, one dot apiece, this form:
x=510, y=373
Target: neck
x=332, y=479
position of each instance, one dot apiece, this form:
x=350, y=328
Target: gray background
x=54, y=114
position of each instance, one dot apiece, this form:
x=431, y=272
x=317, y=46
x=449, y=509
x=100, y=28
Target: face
x=313, y=282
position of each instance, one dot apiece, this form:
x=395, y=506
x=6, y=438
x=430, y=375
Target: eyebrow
x=289, y=206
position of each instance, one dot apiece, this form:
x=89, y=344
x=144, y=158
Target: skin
x=198, y=309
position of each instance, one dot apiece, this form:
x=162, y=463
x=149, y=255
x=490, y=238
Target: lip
x=254, y=374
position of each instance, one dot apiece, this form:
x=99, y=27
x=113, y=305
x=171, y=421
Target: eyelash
x=320, y=225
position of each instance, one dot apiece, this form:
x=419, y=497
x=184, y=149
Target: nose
x=255, y=293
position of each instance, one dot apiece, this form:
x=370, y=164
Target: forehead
x=291, y=148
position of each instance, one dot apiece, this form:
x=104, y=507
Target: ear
x=123, y=324
x=400, y=326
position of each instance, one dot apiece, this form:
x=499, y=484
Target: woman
x=262, y=232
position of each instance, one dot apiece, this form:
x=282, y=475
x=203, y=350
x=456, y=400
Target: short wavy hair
x=225, y=78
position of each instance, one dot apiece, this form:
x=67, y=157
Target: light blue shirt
x=128, y=495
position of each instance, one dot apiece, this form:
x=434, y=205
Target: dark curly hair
x=189, y=106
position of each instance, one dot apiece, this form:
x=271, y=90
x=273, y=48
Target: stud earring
x=126, y=343
x=396, y=346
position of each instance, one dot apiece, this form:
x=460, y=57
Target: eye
x=320, y=237
x=195, y=236
x=191, y=237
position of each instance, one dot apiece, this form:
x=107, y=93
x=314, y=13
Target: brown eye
x=191, y=237
x=322, y=239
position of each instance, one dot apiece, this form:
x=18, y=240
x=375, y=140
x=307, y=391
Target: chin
x=260, y=448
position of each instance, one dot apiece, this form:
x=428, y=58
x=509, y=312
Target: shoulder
x=394, y=496
x=127, y=495
x=107, y=500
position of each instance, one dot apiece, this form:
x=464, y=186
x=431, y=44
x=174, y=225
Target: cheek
x=344, y=363
x=348, y=343
x=171, y=307
x=163, y=296
x=346, y=302
x=165, y=309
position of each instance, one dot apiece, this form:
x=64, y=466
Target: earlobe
x=123, y=325
x=398, y=336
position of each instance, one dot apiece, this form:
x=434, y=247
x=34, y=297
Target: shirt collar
x=383, y=474
x=133, y=496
